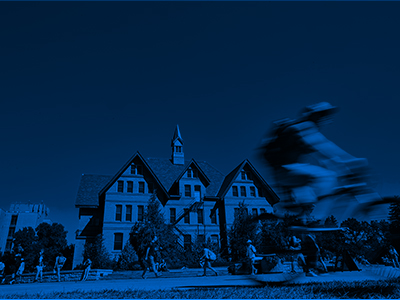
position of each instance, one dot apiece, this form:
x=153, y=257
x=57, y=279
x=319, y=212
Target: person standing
x=60, y=261
x=149, y=258
x=40, y=266
x=251, y=256
x=87, y=265
x=208, y=257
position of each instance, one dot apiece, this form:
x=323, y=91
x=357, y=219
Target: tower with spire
x=178, y=157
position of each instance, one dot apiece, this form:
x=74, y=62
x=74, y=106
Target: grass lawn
x=387, y=289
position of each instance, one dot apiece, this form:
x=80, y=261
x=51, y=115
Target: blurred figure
x=86, y=265
x=21, y=269
x=394, y=256
x=60, y=261
x=308, y=167
x=295, y=245
x=207, y=258
x=151, y=253
x=251, y=256
x=2, y=272
x=40, y=266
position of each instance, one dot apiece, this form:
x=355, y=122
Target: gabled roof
x=89, y=189
x=192, y=161
x=167, y=172
x=127, y=164
x=230, y=178
x=162, y=169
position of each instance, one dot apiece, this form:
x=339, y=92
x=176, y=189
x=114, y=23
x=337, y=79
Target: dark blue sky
x=84, y=85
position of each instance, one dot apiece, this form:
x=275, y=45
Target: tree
x=98, y=254
x=394, y=220
x=27, y=239
x=154, y=225
x=243, y=229
x=53, y=239
x=128, y=258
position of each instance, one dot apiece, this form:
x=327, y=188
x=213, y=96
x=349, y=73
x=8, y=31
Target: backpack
x=211, y=255
x=61, y=260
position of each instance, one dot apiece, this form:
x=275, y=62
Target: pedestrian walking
x=40, y=266
x=208, y=257
x=251, y=256
x=149, y=261
x=295, y=245
x=60, y=261
x=87, y=265
x=21, y=269
x=394, y=256
x=2, y=272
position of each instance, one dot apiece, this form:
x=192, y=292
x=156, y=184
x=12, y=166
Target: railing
x=193, y=206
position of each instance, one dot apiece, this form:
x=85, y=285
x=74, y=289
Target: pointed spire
x=177, y=135
x=178, y=157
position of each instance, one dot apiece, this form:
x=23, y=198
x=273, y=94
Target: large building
x=197, y=198
x=20, y=215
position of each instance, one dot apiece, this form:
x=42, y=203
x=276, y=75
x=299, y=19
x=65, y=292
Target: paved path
x=152, y=283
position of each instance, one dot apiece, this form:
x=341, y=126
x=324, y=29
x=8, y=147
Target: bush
x=127, y=260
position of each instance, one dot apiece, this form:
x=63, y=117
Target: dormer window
x=136, y=169
x=245, y=175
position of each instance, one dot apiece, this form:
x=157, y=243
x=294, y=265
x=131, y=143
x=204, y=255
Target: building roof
x=168, y=173
x=89, y=189
x=230, y=178
x=91, y=186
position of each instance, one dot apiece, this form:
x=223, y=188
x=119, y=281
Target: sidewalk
x=179, y=279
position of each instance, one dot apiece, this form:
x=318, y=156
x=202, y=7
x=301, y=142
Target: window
x=118, y=212
x=187, y=242
x=262, y=210
x=120, y=186
x=188, y=191
x=254, y=212
x=172, y=215
x=130, y=187
x=8, y=246
x=201, y=239
x=200, y=218
x=189, y=173
x=243, y=191
x=118, y=237
x=140, y=216
x=136, y=169
x=252, y=191
x=187, y=216
x=243, y=175
x=178, y=148
x=235, y=192
x=128, y=213
x=214, y=218
x=11, y=231
x=141, y=187
x=214, y=239
x=14, y=219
